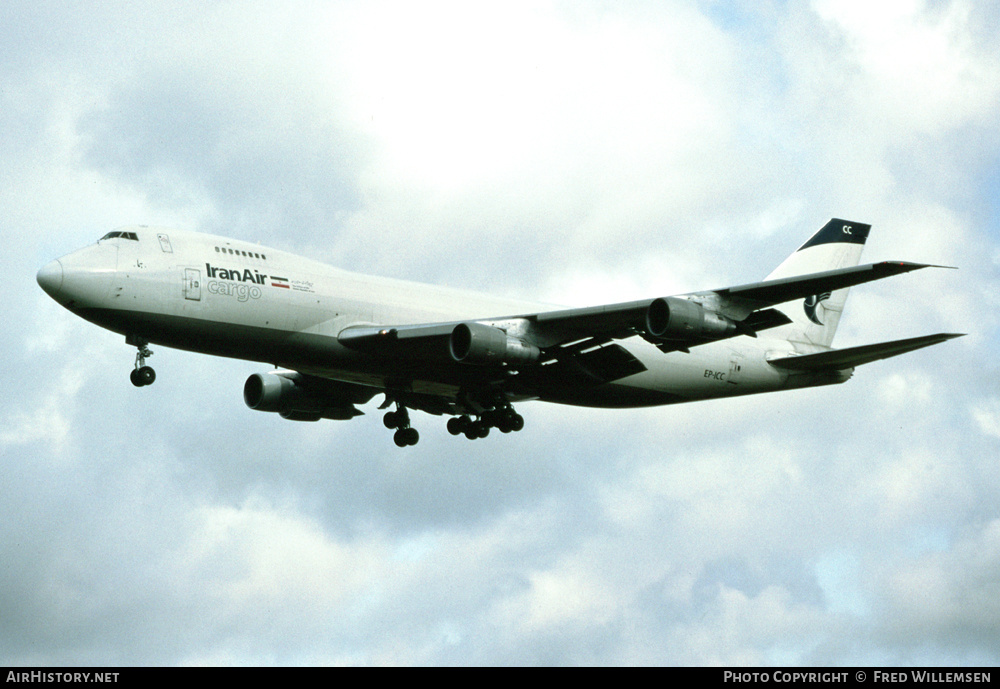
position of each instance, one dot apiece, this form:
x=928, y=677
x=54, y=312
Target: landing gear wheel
x=405, y=436
x=476, y=429
x=510, y=421
x=143, y=376
x=146, y=375
x=458, y=424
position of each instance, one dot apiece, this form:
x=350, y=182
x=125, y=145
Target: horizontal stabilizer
x=837, y=359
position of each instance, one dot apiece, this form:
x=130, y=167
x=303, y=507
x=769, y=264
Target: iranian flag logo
x=279, y=282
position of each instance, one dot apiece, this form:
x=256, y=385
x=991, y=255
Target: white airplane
x=339, y=338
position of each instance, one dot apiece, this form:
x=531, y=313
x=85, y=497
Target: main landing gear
x=142, y=374
x=505, y=419
x=400, y=420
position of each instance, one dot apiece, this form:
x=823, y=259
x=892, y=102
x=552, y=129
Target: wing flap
x=415, y=340
x=592, y=367
x=837, y=359
x=610, y=320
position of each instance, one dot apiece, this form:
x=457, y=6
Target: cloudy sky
x=575, y=153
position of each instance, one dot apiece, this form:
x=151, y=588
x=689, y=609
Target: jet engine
x=291, y=395
x=671, y=318
x=476, y=343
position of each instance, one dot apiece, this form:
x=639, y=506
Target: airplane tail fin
x=838, y=244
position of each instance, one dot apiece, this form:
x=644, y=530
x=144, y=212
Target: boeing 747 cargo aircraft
x=337, y=339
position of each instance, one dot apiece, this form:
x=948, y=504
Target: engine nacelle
x=301, y=415
x=285, y=394
x=475, y=343
x=671, y=318
x=269, y=392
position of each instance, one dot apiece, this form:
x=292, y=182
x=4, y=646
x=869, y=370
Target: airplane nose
x=50, y=278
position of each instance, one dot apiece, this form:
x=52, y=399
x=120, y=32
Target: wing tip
x=910, y=265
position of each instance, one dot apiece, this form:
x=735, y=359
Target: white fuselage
x=231, y=298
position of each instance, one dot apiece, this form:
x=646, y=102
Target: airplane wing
x=741, y=300
x=747, y=306
x=672, y=323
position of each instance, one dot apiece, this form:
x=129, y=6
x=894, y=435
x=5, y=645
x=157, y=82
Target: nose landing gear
x=142, y=374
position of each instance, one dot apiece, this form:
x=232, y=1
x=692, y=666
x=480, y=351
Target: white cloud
x=924, y=71
x=459, y=95
x=950, y=596
x=987, y=416
x=900, y=391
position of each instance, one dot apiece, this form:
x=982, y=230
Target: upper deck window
x=240, y=252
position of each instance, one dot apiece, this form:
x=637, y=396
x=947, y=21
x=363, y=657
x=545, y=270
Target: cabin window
x=121, y=235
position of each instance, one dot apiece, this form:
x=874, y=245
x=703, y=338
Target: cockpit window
x=123, y=235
